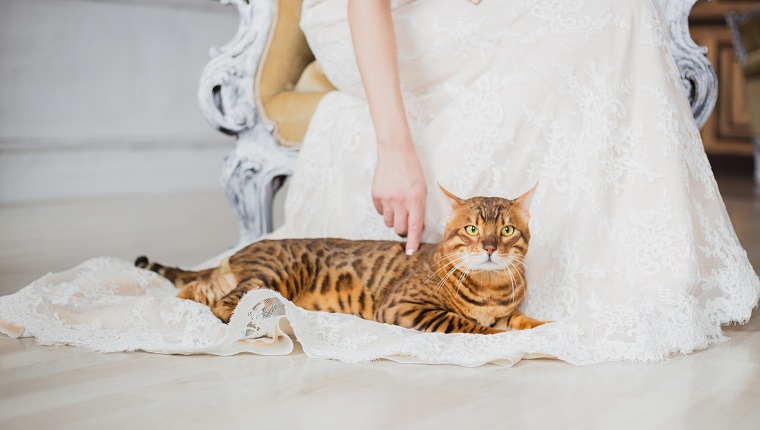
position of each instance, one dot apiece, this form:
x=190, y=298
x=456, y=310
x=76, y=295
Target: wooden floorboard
x=182, y=229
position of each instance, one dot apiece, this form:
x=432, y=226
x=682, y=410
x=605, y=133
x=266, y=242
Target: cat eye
x=471, y=230
x=508, y=231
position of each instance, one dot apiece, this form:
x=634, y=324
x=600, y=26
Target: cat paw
x=518, y=321
x=524, y=323
x=223, y=312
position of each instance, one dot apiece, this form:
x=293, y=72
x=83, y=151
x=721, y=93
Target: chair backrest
x=287, y=54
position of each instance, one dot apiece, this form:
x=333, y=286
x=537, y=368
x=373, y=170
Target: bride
x=630, y=237
x=632, y=251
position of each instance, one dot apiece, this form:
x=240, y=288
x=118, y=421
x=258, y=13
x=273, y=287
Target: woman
x=631, y=241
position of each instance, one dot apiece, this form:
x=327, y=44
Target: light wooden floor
x=49, y=387
x=184, y=229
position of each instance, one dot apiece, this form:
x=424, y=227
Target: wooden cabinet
x=727, y=131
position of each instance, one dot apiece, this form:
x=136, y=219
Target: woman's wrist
x=395, y=148
x=394, y=137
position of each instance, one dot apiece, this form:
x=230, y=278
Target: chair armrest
x=291, y=111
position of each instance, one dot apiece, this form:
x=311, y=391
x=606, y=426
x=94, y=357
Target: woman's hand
x=399, y=190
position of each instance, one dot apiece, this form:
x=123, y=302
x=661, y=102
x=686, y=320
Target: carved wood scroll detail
x=697, y=74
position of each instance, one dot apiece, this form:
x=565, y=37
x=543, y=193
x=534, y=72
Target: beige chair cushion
x=289, y=83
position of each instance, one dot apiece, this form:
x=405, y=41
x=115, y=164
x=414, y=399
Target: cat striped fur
x=472, y=282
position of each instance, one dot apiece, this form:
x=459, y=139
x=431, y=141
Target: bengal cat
x=472, y=282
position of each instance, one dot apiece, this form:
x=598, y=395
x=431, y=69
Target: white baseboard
x=64, y=170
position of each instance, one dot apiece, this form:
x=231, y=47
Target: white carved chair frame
x=258, y=166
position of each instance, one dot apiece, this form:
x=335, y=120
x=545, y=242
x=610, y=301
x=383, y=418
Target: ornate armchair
x=263, y=86
x=745, y=32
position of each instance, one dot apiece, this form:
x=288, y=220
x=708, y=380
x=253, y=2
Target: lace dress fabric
x=632, y=253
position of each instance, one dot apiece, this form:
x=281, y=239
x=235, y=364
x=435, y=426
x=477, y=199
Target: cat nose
x=489, y=249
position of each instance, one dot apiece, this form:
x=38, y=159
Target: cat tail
x=177, y=276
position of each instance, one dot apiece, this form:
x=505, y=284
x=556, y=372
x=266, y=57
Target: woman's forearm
x=375, y=47
x=398, y=186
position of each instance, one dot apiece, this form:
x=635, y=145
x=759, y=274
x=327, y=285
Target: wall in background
x=98, y=97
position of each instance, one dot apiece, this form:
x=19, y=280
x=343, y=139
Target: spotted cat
x=472, y=282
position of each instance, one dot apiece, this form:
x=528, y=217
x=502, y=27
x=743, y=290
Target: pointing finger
x=416, y=223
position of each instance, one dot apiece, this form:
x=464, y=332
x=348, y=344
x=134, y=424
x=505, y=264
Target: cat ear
x=454, y=200
x=525, y=199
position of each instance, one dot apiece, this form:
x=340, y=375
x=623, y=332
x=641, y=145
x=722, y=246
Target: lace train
x=108, y=305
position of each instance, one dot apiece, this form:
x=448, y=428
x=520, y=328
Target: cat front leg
x=517, y=321
x=225, y=307
x=449, y=322
x=192, y=291
x=435, y=320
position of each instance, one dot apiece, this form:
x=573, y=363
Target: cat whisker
x=522, y=273
x=516, y=267
x=461, y=278
x=445, y=278
x=519, y=271
x=513, y=269
x=444, y=267
x=517, y=263
x=459, y=257
x=465, y=273
x=511, y=284
x=441, y=283
x=443, y=257
x=520, y=259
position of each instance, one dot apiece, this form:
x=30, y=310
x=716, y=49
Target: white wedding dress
x=632, y=253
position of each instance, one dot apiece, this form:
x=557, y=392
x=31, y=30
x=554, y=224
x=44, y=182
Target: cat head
x=487, y=233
